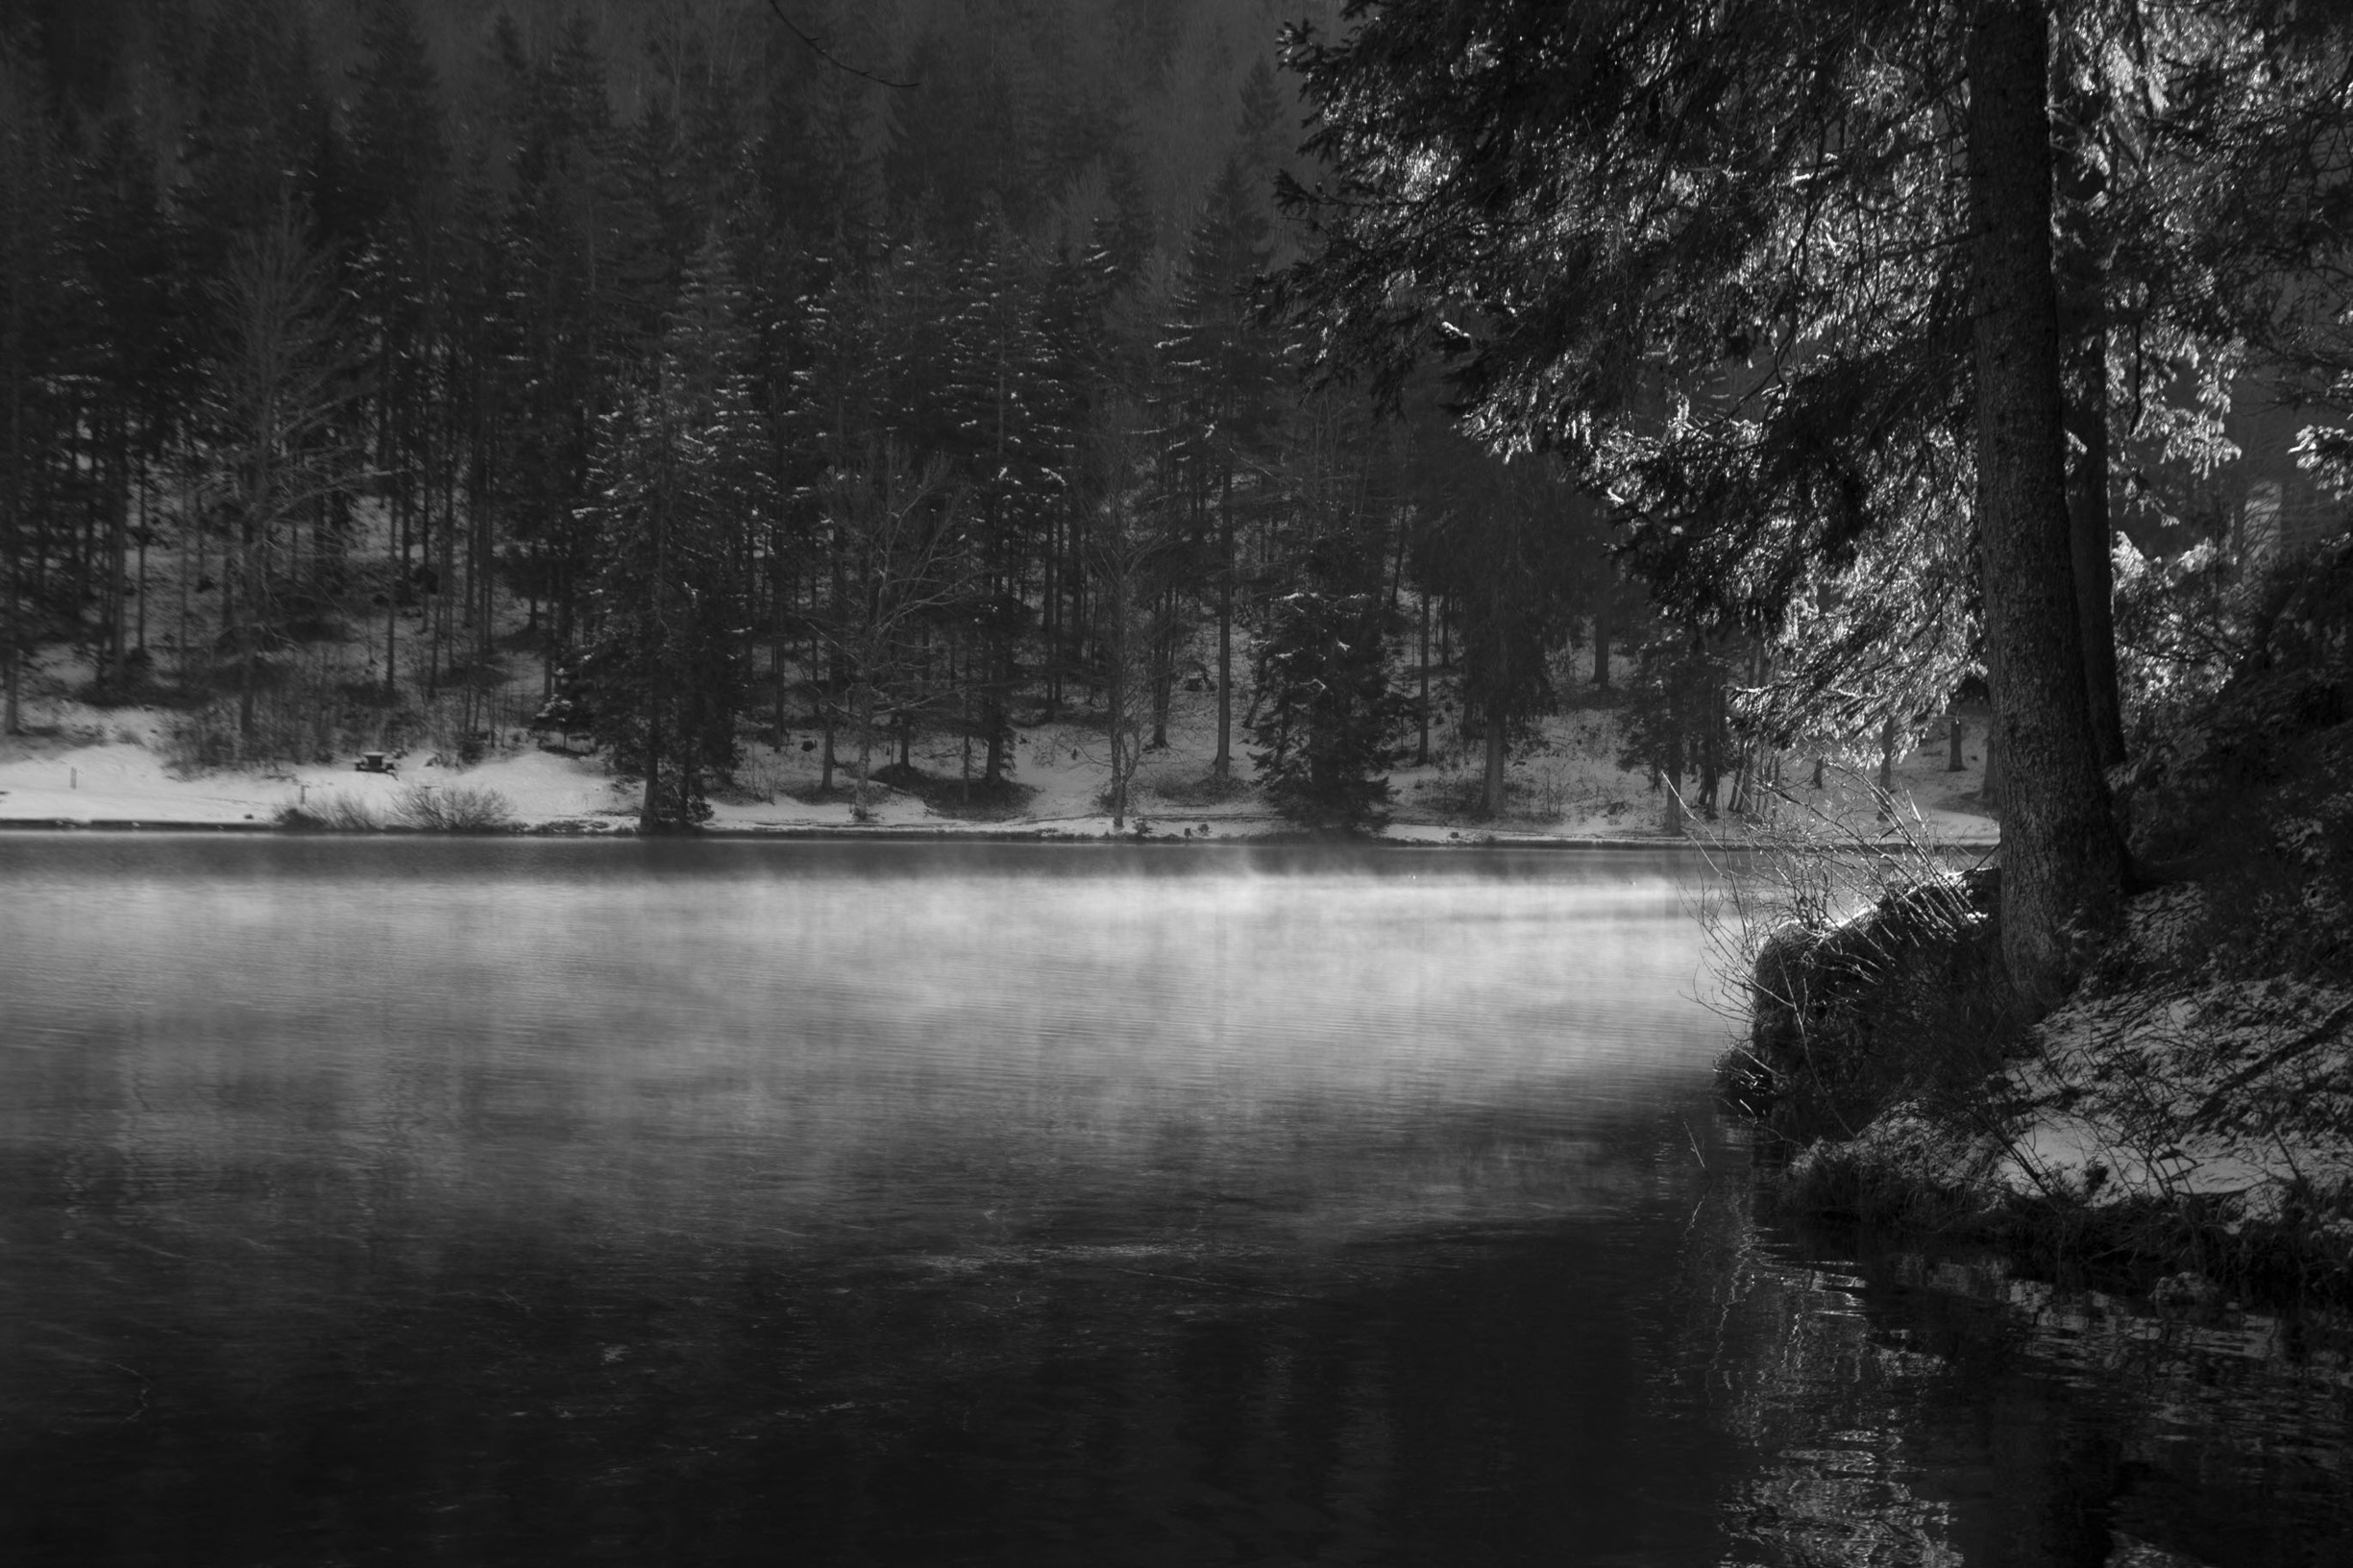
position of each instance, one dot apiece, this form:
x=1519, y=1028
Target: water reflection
x=559, y=1202
x=1937, y=1408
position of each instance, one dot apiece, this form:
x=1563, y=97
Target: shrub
x=332, y=812
x=351, y=814
x=454, y=808
x=1867, y=972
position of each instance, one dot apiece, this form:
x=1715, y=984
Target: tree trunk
x=1116, y=697
x=119, y=525
x=1050, y=614
x=1491, y=796
x=392, y=627
x=1954, y=762
x=249, y=608
x=649, y=811
x=1711, y=744
x=1421, y=752
x=859, y=809
x=145, y=527
x=1221, y=766
x=1164, y=668
x=2062, y=865
x=1671, y=775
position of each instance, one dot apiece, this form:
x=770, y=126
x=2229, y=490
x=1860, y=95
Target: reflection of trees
x=1785, y=1357
x=1916, y=1410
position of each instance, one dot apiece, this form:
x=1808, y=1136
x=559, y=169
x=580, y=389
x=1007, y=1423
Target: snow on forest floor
x=83, y=765
x=2169, y=1085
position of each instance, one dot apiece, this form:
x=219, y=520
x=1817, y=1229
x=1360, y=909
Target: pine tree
x=1510, y=547
x=682, y=480
x=1224, y=369
x=1014, y=437
x=579, y=327
x=1326, y=703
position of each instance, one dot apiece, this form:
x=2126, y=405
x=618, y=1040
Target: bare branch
x=822, y=52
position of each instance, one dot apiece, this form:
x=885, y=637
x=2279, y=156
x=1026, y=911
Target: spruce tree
x=681, y=480
x=1326, y=706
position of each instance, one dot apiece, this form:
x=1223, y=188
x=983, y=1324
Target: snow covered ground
x=83, y=764
x=2165, y=1088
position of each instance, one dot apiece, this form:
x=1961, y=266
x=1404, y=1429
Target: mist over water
x=558, y=1201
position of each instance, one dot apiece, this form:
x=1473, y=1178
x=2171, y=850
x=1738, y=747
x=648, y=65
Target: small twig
x=1695, y=1144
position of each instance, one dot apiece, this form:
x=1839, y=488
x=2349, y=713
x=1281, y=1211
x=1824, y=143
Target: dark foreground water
x=518, y=1202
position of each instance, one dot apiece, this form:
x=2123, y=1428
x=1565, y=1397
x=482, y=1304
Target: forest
x=679, y=376
x=691, y=374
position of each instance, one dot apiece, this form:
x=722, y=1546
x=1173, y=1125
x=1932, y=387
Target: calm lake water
x=402, y=1201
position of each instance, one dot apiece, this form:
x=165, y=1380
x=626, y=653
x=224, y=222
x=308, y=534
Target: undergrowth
x=429, y=808
x=1865, y=965
x=2183, y=1115
x=454, y=808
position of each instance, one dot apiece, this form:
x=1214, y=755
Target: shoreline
x=2178, y=1124
x=825, y=833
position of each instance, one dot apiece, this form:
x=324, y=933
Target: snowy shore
x=2189, y=1109
x=102, y=769
x=2165, y=1119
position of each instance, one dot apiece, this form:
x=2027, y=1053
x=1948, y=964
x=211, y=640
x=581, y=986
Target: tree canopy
x=1781, y=284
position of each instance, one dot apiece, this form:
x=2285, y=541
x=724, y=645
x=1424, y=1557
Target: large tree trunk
x=2062, y=865
x=860, y=806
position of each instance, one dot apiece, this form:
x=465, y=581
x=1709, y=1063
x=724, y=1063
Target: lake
x=516, y=1201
